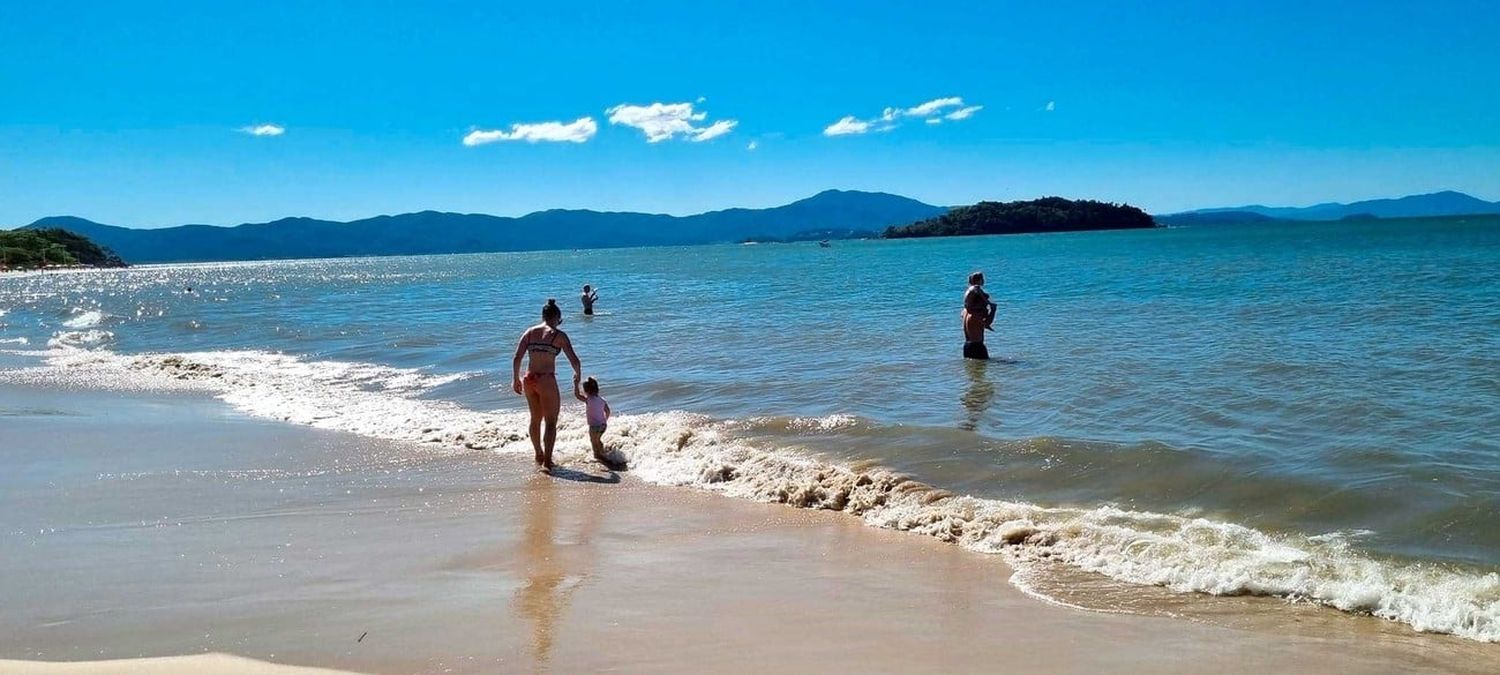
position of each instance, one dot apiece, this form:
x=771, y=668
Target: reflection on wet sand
x=978, y=396
x=553, y=567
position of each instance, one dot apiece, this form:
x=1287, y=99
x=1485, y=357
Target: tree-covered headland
x=1049, y=214
x=38, y=248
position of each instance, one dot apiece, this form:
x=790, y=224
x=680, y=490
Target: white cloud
x=753, y=145
x=930, y=112
x=1051, y=106
x=713, y=131
x=934, y=106
x=264, y=130
x=963, y=113
x=662, y=121
x=846, y=126
x=577, y=131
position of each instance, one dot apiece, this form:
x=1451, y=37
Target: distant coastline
x=828, y=215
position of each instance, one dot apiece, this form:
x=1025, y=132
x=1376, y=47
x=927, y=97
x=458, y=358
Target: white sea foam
x=80, y=339
x=85, y=319
x=14, y=341
x=1176, y=552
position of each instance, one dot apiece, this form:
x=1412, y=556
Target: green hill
x=1048, y=214
x=51, y=247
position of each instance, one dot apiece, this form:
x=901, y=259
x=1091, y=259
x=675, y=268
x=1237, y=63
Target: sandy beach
x=155, y=525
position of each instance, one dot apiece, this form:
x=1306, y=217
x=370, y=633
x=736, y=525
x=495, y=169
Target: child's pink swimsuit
x=598, y=417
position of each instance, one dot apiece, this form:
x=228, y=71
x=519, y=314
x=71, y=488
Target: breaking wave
x=85, y=319
x=1180, y=553
x=80, y=339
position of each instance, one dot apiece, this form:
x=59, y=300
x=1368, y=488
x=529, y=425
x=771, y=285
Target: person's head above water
x=587, y=288
x=591, y=387
x=976, y=279
x=551, y=313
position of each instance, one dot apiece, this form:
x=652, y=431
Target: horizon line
x=730, y=208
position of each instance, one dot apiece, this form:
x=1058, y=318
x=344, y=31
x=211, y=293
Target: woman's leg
x=534, y=404
x=551, y=408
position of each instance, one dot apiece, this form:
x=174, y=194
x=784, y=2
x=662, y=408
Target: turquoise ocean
x=1308, y=411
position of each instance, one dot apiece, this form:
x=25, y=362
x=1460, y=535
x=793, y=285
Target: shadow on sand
x=605, y=476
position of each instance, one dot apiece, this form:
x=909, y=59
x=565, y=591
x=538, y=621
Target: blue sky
x=137, y=113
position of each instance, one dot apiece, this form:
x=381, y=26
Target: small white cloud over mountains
x=663, y=121
x=263, y=130
x=577, y=131
x=932, y=112
x=1051, y=106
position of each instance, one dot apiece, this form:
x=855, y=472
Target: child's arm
x=607, y=411
x=578, y=392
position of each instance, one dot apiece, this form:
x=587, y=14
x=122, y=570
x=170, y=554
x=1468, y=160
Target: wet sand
x=151, y=525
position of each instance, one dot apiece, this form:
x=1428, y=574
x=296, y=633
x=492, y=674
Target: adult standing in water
x=540, y=345
x=589, y=297
x=978, y=315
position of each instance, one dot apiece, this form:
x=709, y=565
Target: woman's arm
x=567, y=348
x=578, y=392
x=515, y=363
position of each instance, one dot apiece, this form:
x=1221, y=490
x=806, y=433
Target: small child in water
x=598, y=417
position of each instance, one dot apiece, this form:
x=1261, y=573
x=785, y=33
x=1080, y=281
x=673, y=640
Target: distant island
x=1049, y=214
x=52, y=247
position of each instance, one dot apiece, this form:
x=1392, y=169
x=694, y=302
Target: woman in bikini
x=542, y=343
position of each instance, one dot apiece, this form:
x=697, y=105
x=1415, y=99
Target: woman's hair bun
x=551, y=302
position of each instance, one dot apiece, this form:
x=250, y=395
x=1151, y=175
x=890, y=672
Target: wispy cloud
x=932, y=112
x=934, y=106
x=846, y=127
x=577, y=131
x=713, y=131
x=263, y=130
x=752, y=146
x=963, y=113
x=663, y=121
x=1051, y=106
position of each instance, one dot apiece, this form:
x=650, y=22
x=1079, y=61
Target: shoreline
x=1139, y=555
x=503, y=567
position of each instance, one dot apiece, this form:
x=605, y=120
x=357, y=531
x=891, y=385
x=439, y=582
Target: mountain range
x=1446, y=203
x=828, y=214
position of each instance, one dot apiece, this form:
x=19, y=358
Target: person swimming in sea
x=589, y=297
x=540, y=345
x=978, y=316
x=598, y=413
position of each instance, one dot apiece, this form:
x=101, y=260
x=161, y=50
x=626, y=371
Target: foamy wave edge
x=682, y=449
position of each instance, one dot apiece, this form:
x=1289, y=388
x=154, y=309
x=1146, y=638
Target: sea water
x=1303, y=410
